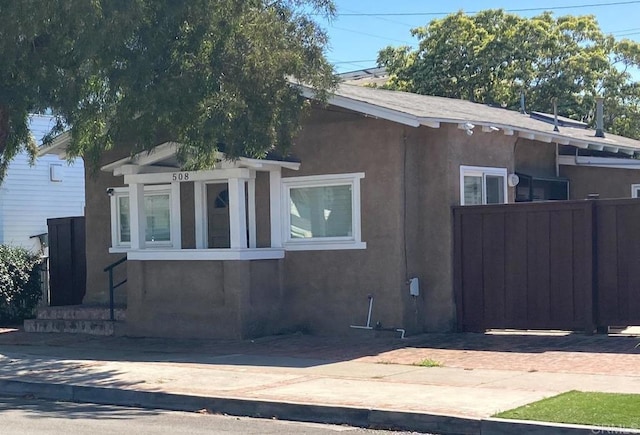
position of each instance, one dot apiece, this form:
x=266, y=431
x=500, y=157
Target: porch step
x=79, y=312
x=93, y=327
x=78, y=319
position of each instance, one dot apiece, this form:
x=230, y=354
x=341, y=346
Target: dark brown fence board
x=493, y=257
x=619, y=262
x=607, y=260
x=472, y=272
x=561, y=250
x=524, y=265
x=538, y=269
x=516, y=263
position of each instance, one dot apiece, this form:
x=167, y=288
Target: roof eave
x=58, y=146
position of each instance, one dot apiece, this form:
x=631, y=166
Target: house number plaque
x=180, y=176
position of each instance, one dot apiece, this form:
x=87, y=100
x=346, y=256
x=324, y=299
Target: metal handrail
x=112, y=287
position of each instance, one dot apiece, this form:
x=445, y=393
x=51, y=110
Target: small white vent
x=55, y=172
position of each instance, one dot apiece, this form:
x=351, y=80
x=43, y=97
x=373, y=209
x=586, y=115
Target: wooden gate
x=67, y=261
x=552, y=265
x=618, y=262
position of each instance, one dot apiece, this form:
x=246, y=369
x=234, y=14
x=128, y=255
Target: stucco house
x=258, y=247
x=30, y=194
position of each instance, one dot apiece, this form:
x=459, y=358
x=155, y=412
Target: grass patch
x=428, y=363
x=596, y=409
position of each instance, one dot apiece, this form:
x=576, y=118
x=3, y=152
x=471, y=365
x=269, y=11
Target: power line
x=354, y=61
x=373, y=36
x=407, y=14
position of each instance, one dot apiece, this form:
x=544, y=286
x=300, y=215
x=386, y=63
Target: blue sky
x=356, y=40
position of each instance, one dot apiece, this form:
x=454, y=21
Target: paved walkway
x=480, y=375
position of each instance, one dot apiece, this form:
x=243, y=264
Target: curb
x=328, y=414
x=357, y=417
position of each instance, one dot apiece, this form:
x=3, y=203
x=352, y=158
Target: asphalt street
x=29, y=416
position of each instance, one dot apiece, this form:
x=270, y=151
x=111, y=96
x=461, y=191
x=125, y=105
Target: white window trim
x=324, y=243
x=174, y=236
x=635, y=191
x=482, y=171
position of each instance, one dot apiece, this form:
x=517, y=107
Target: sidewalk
x=339, y=378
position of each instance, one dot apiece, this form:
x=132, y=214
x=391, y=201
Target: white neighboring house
x=29, y=195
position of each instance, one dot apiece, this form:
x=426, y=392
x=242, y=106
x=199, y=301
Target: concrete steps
x=77, y=319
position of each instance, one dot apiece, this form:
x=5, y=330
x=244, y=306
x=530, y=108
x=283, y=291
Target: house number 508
x=180, y=176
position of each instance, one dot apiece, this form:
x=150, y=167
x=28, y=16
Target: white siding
x=28, y=197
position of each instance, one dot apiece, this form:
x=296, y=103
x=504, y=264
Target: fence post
x=591, y=295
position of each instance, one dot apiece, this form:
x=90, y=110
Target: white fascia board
x=113, y=165
x=599, y=162
x=543, y=138
x=596, y=147
x=58, y=146
x=526, y=135
x=269, y=164
x=578, y=144
x=184, y=176
x=206, y=254
x=366, y=108
x=429, y=122
x=129, y=169
x=145, y=158
x=157, y=154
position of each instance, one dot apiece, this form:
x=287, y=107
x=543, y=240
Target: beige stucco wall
x=607, y=182
x=440, y=153
x=204, y=299
x=535, y=158
x=326, y=291
x=98, y=234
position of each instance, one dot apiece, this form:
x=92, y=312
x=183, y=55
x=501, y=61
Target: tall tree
x=198, y=72
x=491, y=57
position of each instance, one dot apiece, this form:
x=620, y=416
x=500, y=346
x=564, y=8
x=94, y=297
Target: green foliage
x=137, y=72
x=493, y=56
x=428, y=362
x=20, y=288
x=620, y=411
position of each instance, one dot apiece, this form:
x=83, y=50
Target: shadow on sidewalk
x=299, y=350
x=35, y=408
x=50, y=369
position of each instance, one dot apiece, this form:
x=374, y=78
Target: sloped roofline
x=537, y=130
x=383, y=104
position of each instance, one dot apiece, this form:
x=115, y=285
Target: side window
x=157, y=204
x=480, y=185
x=635, y=191
x=322, y=212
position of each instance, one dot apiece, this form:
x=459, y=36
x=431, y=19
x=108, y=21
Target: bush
x=20, y=288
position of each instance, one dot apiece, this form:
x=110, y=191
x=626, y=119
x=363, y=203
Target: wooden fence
x=550, y=265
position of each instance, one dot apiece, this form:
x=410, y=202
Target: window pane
x=495, y=189
x=472, y=190
x=158, y=218
x=123, y=216
x=321, y=212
